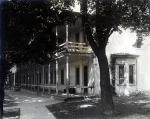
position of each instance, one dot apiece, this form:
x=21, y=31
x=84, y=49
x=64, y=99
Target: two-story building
x=75, y=70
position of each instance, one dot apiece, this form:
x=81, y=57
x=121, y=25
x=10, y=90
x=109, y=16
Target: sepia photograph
x=74, y=59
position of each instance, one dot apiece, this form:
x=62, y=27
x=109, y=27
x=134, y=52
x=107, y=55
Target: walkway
x=31, y=105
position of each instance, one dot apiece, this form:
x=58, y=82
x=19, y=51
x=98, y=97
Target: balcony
x=73, y=47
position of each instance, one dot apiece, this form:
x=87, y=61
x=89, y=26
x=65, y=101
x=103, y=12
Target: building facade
x=75, y=70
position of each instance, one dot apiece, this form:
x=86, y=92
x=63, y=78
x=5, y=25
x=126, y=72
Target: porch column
x=38, y=79
x=14, y=71
x=56, y=63
x=81, y=79
x=126, y=79
x=56, y=76
x=43, y=78
x=67, y=38
x=67, y=62
x=14, y=79
x=30, y=71
x=34, y=89
x=67, y=75
x=49, y=76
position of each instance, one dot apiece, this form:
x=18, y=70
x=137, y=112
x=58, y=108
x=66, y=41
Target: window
x=37, y=79
x=33, y=80
x=77, y=76
x=62, y=76
x=40, y=78
x=54, y=77
x=51, y=77
x=121, y=74
x=46, y=78
x=77, y=37
x=84, y=38
x=131, y=74
x=24, y=78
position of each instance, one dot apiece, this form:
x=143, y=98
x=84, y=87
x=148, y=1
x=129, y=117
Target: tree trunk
x=98, y=44
x=106, y=92
x=2, y=80
x=2, y=57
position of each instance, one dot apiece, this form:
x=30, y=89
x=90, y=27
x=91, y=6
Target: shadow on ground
x=133, y=107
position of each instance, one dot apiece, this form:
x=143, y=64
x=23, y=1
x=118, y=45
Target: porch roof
x=123, y=55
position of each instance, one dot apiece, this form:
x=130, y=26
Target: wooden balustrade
x=73, y=47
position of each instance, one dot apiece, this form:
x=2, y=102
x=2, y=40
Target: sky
x=77, y=7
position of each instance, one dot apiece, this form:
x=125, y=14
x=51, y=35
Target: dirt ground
x=31, y=105
x=136, y=106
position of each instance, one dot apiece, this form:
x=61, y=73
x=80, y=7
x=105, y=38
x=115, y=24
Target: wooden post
x=67, y=38
x=38, y=82
x=126, y=92
x=81, y=79
x=67, y=75
x=56, y=76
x=56, y=64
x=43, y=78
x=67, y=62
x=14, y=80
x=34, y=78
x=49, y=76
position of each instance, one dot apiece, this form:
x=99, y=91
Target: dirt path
x=32, y=106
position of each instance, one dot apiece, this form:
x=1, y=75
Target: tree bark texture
x=98, y=44
x=106, y=92
x=2, y=57
x=2, y=80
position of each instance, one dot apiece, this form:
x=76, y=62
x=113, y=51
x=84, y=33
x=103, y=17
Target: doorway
x=85, y=78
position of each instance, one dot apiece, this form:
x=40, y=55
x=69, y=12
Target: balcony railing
x=73, y=47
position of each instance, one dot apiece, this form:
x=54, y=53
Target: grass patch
x=136, y=106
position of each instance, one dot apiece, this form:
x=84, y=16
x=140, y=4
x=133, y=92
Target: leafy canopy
x=109, y=15
x=30, y=26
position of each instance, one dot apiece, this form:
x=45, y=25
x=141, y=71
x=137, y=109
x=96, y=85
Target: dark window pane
x=77, y=76
x=54, y=77
x=46, y=77
x=51, y=77
x=62, y=76
x=40, y=78
x=77, y=37
x=121, y=71
x=131, y=74
x=121, y=74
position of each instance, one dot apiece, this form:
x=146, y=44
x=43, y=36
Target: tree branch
x=90, y=37
x=86, y=25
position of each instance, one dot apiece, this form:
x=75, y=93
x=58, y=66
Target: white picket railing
x=75, y=47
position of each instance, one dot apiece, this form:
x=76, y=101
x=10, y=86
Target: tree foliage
x=30, y=26
x=109, y=15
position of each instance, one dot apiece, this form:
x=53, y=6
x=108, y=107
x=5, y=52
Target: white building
x=75, y=68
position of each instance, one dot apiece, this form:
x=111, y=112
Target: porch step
x=74, y=98
x=58, y=97
x=71, y=98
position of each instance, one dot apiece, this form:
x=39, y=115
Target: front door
x=85, y=79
